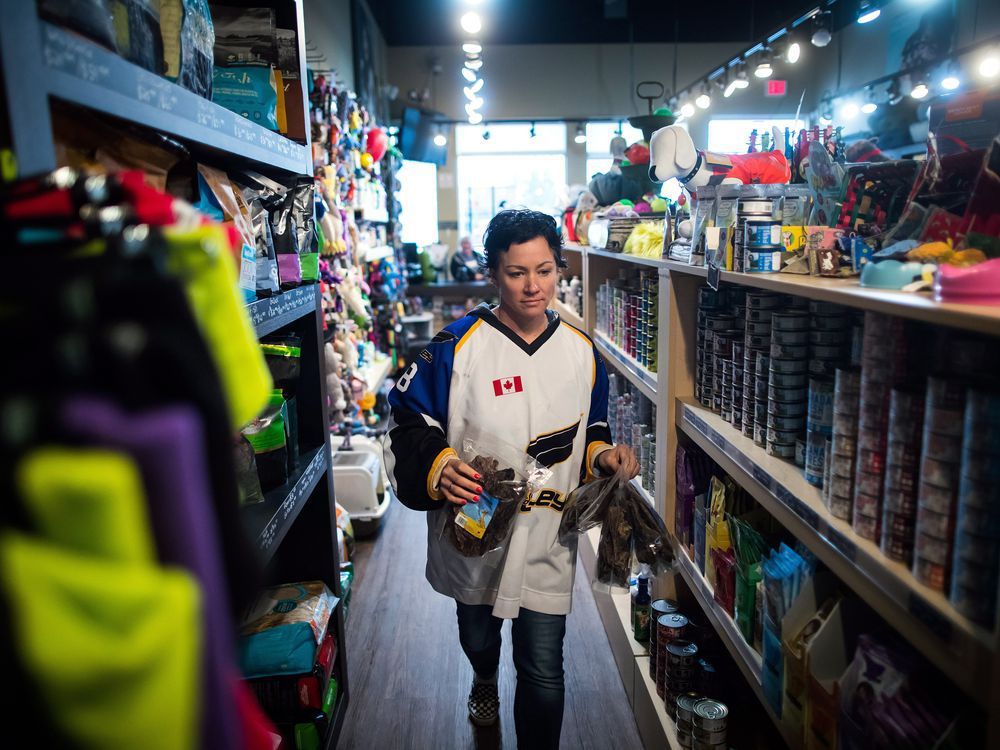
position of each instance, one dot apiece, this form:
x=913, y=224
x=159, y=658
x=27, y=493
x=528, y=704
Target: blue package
x=247, y=90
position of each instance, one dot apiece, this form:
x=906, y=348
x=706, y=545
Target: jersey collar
x=484, y=313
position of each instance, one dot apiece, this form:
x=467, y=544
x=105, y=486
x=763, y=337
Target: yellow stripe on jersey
x=443, y=456
x=461, y=341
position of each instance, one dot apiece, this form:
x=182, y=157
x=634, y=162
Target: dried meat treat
x=500, y=483
x=649, y=534
x=614, y=551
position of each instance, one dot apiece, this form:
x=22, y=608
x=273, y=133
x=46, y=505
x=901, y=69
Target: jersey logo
x=508, y=385
x=545, y=499
x=555, y=447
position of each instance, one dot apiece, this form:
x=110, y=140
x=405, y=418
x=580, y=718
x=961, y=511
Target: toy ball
x=377, y=143
x=626, y=202
x=367, y=161
x=638, y=153
x=663, y=112
x=367, y=401
x=643, y=208
x=658, y=205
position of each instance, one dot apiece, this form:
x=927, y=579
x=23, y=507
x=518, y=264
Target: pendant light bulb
x=822, y=34
x=472, y=48
x=474, y=64
x=471, y=23
x=477, y=86
x=868, y=11
x=704, y=101
x=793, y=53
x=440, y=140
x=764, y=69
x=869, y=107
x=989, y=66
x=950, y=82
x=687, y=109
x=920, y=90
x=468, y=74
x=581, y=135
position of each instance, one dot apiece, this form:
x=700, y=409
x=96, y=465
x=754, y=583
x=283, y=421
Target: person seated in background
x=464, y=263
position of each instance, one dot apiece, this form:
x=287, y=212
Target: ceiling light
x=474, y=64
x=849, y=111
x=704, y=101
x=868, y=11
x=822, y=33
x=989, y=66
x=468, y=74
x=471, y=22
x=474, y=105
x=764, y=69
x=951, y=82
x=475, y=118
x=869, y=107
x=440, y=140
x=581, y=135
x=477, y=86
x=687, y=109
x=793, y=52
x=920, y=90
x=738, y=82
x=472, y=48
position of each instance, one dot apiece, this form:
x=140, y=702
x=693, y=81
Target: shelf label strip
x=297, y=494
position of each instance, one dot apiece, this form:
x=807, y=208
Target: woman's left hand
x=619, y=460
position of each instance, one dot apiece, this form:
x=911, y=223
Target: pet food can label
x=867, y=527
x=763, y=233
x=780, y=450
x=937, y=525
x=786, y=394
x=938, y=499
x=787, y=409
x=792, y=321
x=829, y=338
x=790, y=338
x=789, y=366
x=784, y=424
x=930, y=573
x=795, y=380
x=761, y=261
x=830, y=323
x=762, y=301
x=933, y=549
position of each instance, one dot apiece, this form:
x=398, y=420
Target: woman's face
x=526, y=277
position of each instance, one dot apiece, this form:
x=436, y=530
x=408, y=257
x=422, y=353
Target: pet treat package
x=188, y=41
x=137, y=32
x=630, y=530
x=508, y=477
x=246, y=472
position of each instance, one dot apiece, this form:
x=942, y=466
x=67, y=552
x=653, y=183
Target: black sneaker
x=484, y=704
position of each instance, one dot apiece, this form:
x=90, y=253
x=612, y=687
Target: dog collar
x=690, y=175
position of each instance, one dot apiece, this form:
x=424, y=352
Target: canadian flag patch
x=503, y=386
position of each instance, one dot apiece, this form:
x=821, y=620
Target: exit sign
x=777, y=87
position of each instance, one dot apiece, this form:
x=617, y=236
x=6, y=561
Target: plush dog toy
x=673, y=155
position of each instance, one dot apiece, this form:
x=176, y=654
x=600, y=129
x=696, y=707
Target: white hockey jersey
x=551, y=398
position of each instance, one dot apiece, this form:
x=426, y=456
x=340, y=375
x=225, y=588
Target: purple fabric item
x=168, y=445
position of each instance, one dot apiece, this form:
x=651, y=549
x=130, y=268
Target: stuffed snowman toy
x=672, y=155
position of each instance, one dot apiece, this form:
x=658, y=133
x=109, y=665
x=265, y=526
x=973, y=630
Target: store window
x=599, y=135
x=732, y=136
x=506, y=166
x=417, y=197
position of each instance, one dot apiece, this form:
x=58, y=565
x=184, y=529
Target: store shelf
x=375, y=373
x=336, y=723
x=370, y=216
x=269, y=521
x=915, y=305
x=567, y=313
x=959, y=648
x=649, y=707
x=634, y=481
x=574, y=247
x=81, y=72
x=636, y=374
x=625, y=258
x=371, y=254
x=272, y=313
x=748, y=660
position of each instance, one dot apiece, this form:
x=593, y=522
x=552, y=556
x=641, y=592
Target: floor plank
x=409, y=679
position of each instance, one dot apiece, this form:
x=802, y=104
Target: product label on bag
x=475, y=517
x=248, y=273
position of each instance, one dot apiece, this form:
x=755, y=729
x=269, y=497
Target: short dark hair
x=517, y=225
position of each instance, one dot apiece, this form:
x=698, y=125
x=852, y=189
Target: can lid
x=682, y=648
x=673, y=620
x=663, y=606
x=687, y=701
x=710, y=709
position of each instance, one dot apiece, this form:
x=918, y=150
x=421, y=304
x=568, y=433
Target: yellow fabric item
x=90, y=501
x=646, y=240
x=113, y=646
x=201, y=260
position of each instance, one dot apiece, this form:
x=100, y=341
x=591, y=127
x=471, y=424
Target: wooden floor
x=409, y=679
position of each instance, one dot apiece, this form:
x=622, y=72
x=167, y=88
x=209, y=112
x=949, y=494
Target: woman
x=516, y=371
x=464, y=265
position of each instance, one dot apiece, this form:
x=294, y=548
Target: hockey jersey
x=550, y=398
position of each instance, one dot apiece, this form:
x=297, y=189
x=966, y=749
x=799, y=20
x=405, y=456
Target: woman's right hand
x=459, y=483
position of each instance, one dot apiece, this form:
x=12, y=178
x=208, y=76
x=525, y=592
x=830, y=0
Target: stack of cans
x=882, y=357
x=939, y=481
x=681, y=669
x=838, y=487
x=977, y=552
x=669, y=628
x=787, y=391
x=711, y=318
x=722, y=383
x=657, y=609
x=738, y=378
x=709, y=721
x=829, y=348
x=756, y=360
x=757, y=244
x=902, y=471
x=646, y=337
x=683, y=714
x=819, y=428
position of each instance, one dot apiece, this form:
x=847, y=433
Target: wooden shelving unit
x=635, y=373
x=567, y=314
x=294, y=528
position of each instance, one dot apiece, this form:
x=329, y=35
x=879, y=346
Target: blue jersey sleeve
x=598, y=432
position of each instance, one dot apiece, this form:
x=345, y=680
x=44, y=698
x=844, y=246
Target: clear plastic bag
x=508, y=477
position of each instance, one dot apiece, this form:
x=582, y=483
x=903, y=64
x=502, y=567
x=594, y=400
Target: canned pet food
x=845, y=424
x=760, y=328
x=762, y=301
x=871, y=440
x=944, y=421
x=933, y=549
x=709, y=739
x=977, y=605
x=800, y=452
x=984, y=407
x=984, y=521
x=762, y=366
x=866, y=526
x=823, y=367
x=864, y=503
x=844, y=445
x=763, y=261
x=901, y=479
x=868, y=484
x=841, y=486
x=776, y=393
x=785, y=351
x=829, y=323
x=976, y=546
x=980, y=466
x=932, y=574
x=945, y=393
x=787, y=408
x=719, y=322
x=841, y=507
x=789, y=338
x=821, y=401
x=790, y=321
x=842, y=466
x=901, y=454
x=871, y=461
x=789, y=366
x=780, y=450
x=979, y=494
x=685, y=704
x=821, y=308
x=903, y=503
x=839, y=338
x=762, y=341
x=939, y=473
x=781, y=380
x=847, y=381
x=937, y=499
x=971, y=575
x=670, y=627
x=937, y=525
x=790, y=425
x=710, y=716
x=697, y=744
x=828, y=353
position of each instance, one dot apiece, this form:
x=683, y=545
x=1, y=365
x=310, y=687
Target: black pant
x=538, y=659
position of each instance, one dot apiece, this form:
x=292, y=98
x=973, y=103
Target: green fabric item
x=201, y=260
x=89, y=501
x=113, y=646
x=310, y=266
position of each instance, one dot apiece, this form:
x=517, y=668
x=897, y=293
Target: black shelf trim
x=272, y=313
x=268, y=522
x=82, y=72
